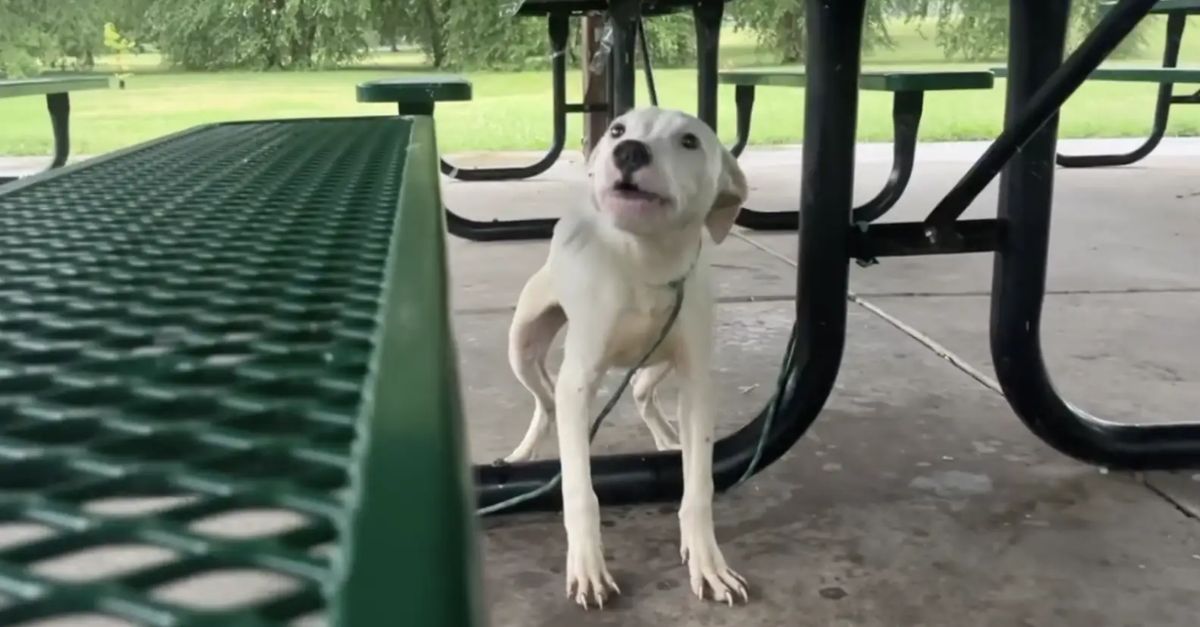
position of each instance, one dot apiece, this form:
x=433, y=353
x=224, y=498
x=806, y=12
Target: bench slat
x=48, y=85
x=419, y=89
x=1136, y=74
x=1190, y=7
x=872, y=81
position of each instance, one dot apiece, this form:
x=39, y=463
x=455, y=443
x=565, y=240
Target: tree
x=978, y=29
x=263, y=34
x=36, y=34
x=779, y=24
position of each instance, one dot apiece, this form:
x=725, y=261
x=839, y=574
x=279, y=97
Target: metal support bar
x=1018, y=283
x=499, y=230
x=907, y=107
x=624, y=16
x=706, y=15
x=835, y=29
x=1162, y=108
x=647, y=64
x=743, y=97
x=1189, y=99
x=558, y=24
x=59, y=106
x=1039, y=108
x=584, y=107
x=907, y=239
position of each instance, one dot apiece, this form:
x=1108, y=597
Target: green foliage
x=672, y=40
x=36, y=34
x=484, y=33
x=977, y=30
x=779, y=24
x=264, y=34
x=119, y=45
x=487, y=34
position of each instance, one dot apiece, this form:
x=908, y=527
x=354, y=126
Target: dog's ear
x=731, y=195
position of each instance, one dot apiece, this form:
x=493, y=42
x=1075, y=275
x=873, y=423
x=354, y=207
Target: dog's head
x=657, y=170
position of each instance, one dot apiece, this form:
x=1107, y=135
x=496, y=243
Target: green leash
x=772, y=409
x=677, y=285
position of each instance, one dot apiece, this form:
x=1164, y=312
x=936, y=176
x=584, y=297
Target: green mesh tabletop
x=201, y=341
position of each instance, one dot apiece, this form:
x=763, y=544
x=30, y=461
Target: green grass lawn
x=512, y=110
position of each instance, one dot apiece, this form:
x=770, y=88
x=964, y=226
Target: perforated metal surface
x=184, y=334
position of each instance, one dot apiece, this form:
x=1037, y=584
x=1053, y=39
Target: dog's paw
x=521, y=454
x=707, y=569
x=588, y=581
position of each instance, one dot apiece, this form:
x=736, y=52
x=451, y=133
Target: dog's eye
x=616, y=131
x=690, y=141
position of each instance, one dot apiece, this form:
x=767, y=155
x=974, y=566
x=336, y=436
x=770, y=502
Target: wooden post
x=595, y=86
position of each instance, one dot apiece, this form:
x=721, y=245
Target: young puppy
x=663, y=192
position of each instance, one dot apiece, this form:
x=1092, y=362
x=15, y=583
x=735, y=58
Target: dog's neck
x=662, y=259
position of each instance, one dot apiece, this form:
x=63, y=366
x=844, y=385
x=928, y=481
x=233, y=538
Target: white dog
x=663, y=192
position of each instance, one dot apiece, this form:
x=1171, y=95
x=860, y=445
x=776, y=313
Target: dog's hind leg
x=535, y=324
x=645, y=394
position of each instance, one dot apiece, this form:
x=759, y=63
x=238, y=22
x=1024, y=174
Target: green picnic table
x=239, y=317
x=57, y=91
x=1166, y=76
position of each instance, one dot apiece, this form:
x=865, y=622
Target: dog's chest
x=638, y=325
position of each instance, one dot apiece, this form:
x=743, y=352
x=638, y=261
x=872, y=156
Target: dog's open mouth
x=628, y=190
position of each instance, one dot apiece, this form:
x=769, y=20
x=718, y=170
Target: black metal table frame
x=907, y=108
x=1039, y=82
x=59, y=107
x=624, y=17
x=1176, y=21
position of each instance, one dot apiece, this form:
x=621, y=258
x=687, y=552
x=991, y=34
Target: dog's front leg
x=697, y=536
x=588, y=580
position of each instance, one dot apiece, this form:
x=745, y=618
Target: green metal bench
x=238, y=317
x=400, y=90
x=909, y=89
x=1165, y=76
x=58, y=102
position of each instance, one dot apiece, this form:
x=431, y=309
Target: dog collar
x=678, y=283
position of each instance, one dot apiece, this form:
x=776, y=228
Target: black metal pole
x=624, y=16
x=559, y=28
x=1039, y=107
x=1036, y=43
x=906, y=122
x=1162, y=109
x=906, y=119
x=826, y=186
x=59, y=106
x=743, y=97
x=647, y=63
x=706, y=15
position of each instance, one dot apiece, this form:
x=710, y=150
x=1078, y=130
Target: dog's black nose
x=630, y=156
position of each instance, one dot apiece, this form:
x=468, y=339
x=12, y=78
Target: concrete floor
x=918, y=498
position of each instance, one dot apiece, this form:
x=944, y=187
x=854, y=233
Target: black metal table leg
x=906, y=121
x=624, y=16
x=743, y=97
x=706, y=15
x=1162, y=109
x=907, y=107
x=1023, y=124
x=1036, y=44
x=559, y=32
x=835, y=33
x=59, y=106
